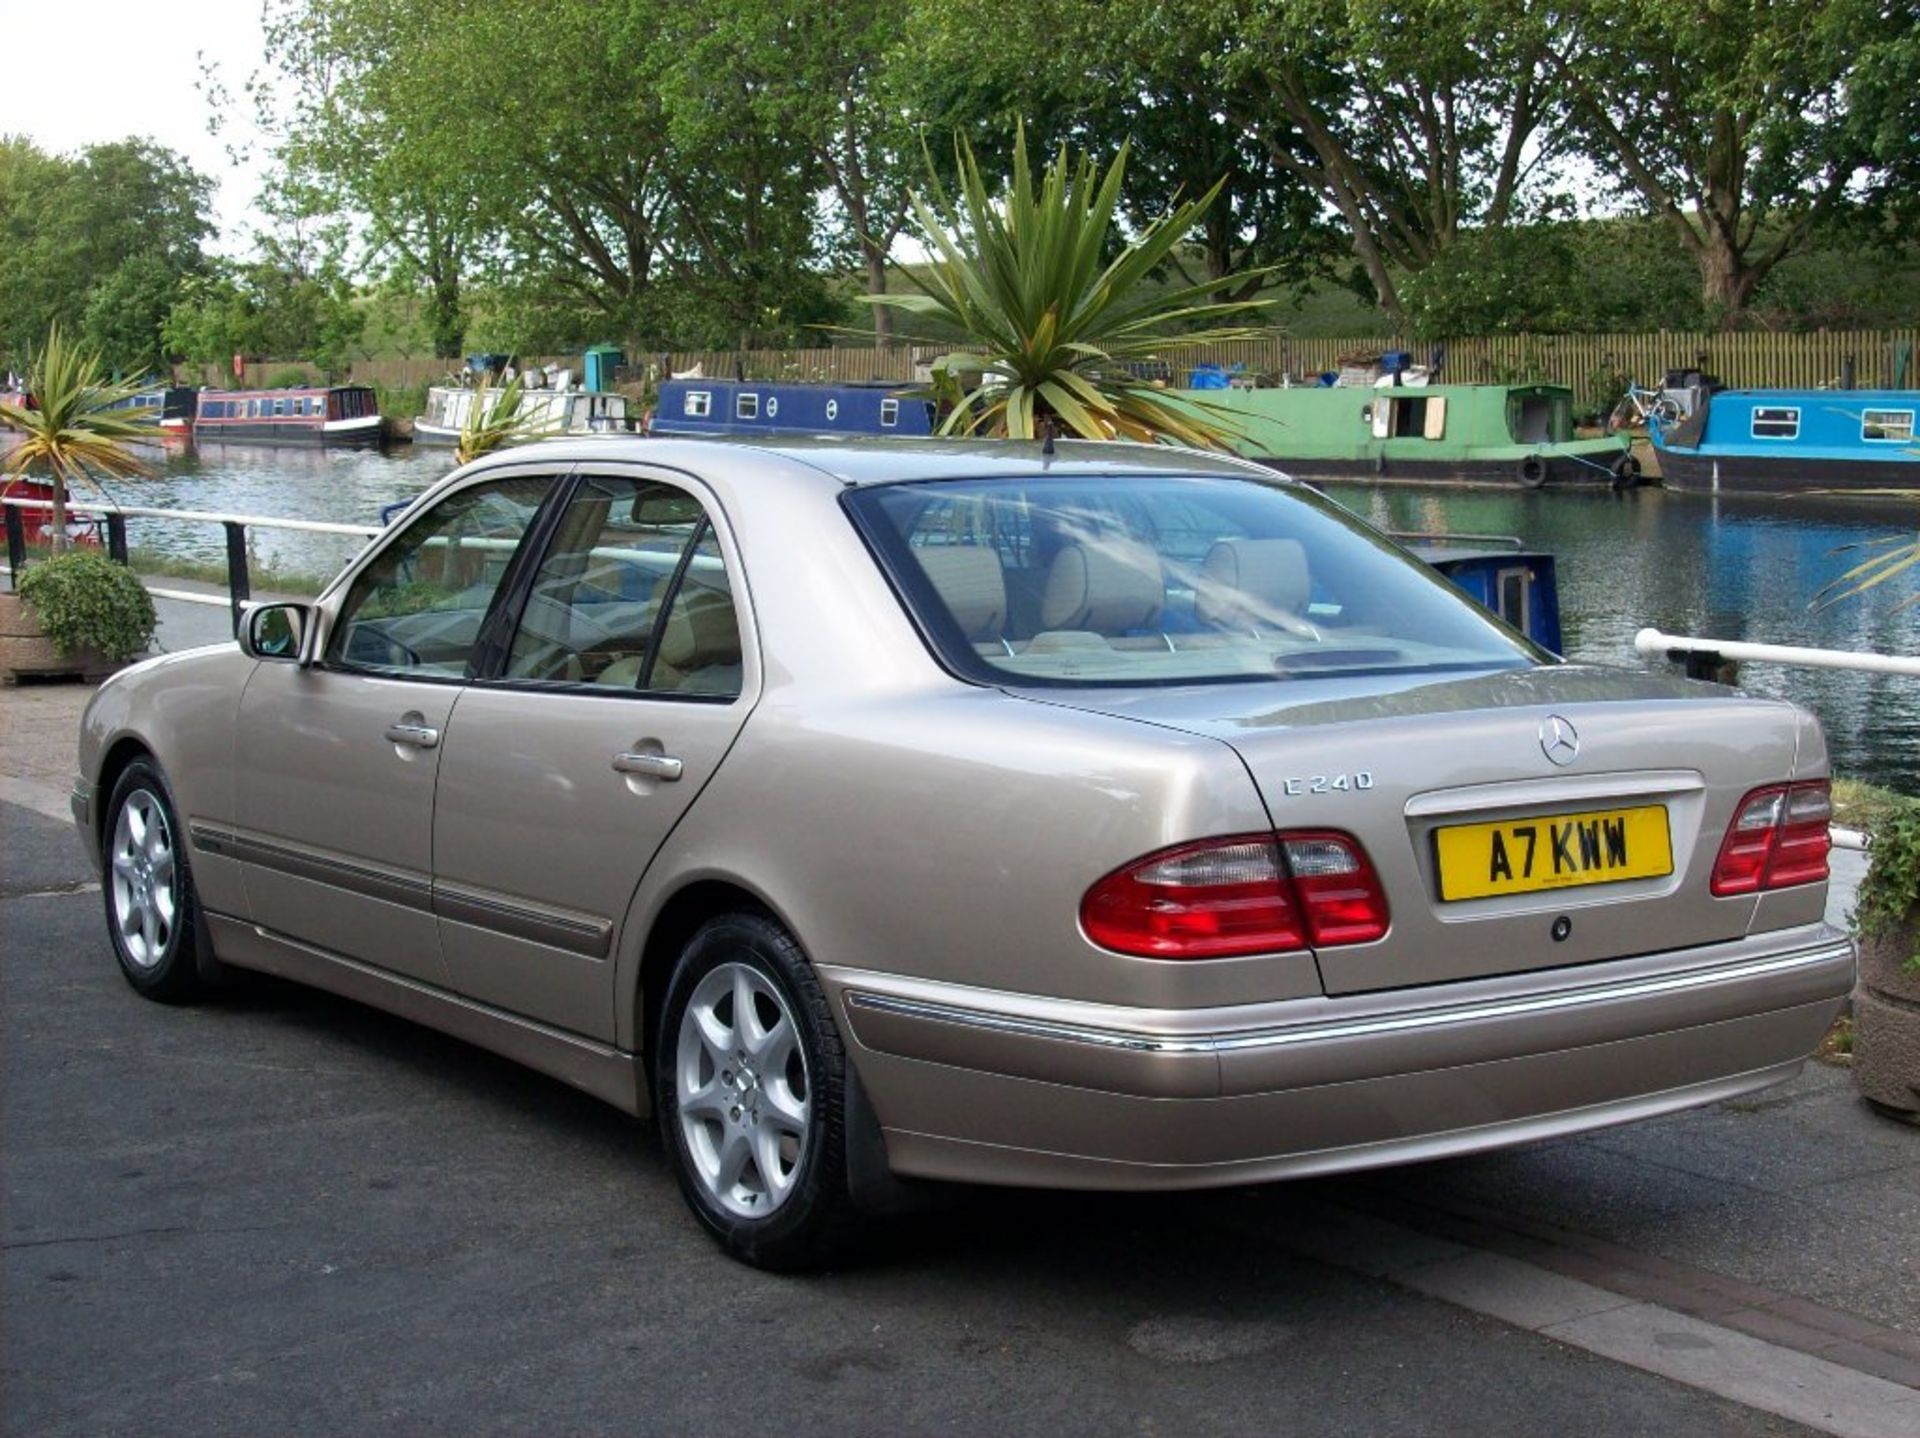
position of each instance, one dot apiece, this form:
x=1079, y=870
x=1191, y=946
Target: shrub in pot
x=93, y=613
x=1886, y=1005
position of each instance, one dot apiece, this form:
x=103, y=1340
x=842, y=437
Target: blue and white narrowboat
x=705, y=407
x=345, y=414
x=1785, y=441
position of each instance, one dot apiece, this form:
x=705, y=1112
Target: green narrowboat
x=1472, y=433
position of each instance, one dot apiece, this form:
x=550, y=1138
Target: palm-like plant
x=73, y=431
x=1061, y=327
x=493, y=424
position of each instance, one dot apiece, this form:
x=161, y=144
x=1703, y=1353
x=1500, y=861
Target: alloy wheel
x=146, y=899
x=744, y=1096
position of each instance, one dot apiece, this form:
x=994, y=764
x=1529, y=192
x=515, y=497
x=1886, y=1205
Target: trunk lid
x=1395, y=760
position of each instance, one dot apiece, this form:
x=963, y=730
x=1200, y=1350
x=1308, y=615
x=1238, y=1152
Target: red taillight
x=1248, y=894
x=1778, y=838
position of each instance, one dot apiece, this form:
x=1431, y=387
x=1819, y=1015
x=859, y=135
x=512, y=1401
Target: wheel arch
x=121, y=753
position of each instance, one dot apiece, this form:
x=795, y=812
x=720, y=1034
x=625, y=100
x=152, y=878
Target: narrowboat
x=1785, y=441
x=1473, y=433
x=169, y=407
x=696, y=407
x=555, y=412
x=331, y=415
x=1499, y=572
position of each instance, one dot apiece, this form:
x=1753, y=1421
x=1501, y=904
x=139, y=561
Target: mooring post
x=117, y=538
x=16, y=544
x=238, y=586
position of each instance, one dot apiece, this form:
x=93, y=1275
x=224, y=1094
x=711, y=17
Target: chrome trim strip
x=1324, y=1031
x=559, y=929
x=583, y=934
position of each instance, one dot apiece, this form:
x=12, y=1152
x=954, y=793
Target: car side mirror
x=276, y=631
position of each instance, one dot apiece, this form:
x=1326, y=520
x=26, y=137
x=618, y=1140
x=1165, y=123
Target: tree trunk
x=58, y=524
x=877, y=285
x=1727, y=281
x=444, y=320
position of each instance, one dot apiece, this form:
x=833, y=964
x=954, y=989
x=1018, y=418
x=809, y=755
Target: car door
x=624, y=685
x=336, y=762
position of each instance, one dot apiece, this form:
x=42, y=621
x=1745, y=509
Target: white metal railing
x=1682, y=648
x=115, y=517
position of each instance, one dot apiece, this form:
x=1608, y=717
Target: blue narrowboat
x=706, y=407
x=1785, y=441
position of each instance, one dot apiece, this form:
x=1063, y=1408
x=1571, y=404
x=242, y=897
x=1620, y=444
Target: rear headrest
x=701, y=632
x=1252, y=584
x=970, y=582
x=1108, y=589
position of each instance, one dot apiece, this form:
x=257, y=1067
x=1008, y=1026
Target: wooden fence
x=1595, y=366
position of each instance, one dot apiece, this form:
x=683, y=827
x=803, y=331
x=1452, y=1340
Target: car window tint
x=596, y=599
x=699, y=649
x=1165, y=580
x=418, y=608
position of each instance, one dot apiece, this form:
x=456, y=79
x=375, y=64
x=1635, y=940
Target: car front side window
x=418, y=608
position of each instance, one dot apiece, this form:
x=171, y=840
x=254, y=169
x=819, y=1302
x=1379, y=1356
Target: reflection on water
x=343, y=486
x=1743, y=568
x=1730, y=568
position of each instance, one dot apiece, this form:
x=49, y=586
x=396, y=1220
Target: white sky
x=138, y=65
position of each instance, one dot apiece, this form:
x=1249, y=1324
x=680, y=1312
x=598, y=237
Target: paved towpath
x=281, y=1212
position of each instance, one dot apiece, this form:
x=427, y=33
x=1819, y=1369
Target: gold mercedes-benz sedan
x=1115, y=818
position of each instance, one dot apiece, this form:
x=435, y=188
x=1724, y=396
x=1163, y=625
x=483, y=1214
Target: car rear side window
x=1165, y=580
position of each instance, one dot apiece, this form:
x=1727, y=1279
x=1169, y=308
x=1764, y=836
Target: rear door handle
x=420, y=736
x=651, y=766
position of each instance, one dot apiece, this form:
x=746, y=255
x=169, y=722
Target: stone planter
x=26, y=650
x=1886, y=1023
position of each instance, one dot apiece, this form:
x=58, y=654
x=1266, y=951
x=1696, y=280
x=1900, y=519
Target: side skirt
x=607, y=1073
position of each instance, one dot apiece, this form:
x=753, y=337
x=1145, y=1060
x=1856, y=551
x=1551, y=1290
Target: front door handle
x=650, y=766
x=419, y=736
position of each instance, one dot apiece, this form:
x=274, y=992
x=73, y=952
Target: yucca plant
x=1895, y=554
x=491, y=425
x=1027, y=278
x=73, y=431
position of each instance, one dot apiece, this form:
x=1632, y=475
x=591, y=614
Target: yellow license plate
x=1554, y=851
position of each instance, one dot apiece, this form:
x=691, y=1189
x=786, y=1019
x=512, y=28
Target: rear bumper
x=995, y=1087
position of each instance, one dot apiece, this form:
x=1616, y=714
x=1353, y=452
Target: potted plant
x=1886, y=1003
x=1057, y=302
x=92, y=616
x=70, y=431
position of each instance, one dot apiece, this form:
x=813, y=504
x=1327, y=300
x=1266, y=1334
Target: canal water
x=1688, y=564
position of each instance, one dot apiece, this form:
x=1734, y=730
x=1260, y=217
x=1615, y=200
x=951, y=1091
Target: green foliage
x=291, y=378
x=85, y=601
x=96, y=242
x=1886, y=558
x=267, y=310
x=1889, y=895
x=73, y=431
x=1059, y=306
x=493, y=423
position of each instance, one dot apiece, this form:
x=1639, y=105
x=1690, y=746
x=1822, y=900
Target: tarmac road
x=282, y=1213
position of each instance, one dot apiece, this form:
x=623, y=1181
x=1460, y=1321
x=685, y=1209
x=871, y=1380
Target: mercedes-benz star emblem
x=1559, y=740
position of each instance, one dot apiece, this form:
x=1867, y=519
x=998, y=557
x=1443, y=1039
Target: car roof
x=857, y=462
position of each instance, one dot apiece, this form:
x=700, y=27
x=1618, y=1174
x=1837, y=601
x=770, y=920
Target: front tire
x=750, y=1077
x=153, y=914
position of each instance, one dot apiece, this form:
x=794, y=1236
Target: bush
x=290, y=379
x=1890, y=893
x=85, y=601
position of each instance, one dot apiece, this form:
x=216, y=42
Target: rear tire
x=750, y=1077
x=153, y=914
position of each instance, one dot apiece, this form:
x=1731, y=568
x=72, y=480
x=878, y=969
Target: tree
x=72, y=427
x=1733, y=121
x=1057, y=303
x=128, y=218
x=267, y=308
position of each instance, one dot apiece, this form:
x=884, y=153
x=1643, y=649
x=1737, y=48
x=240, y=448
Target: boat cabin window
x=1534, y=418
x=1422, y=417
x=889, y=413
x=833, y=410
x=699, y=403
x=773, y=406
x=1515, y=599
x=1776, y=423
x=1887, y=426
x=279, y=407
x=746, y=406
